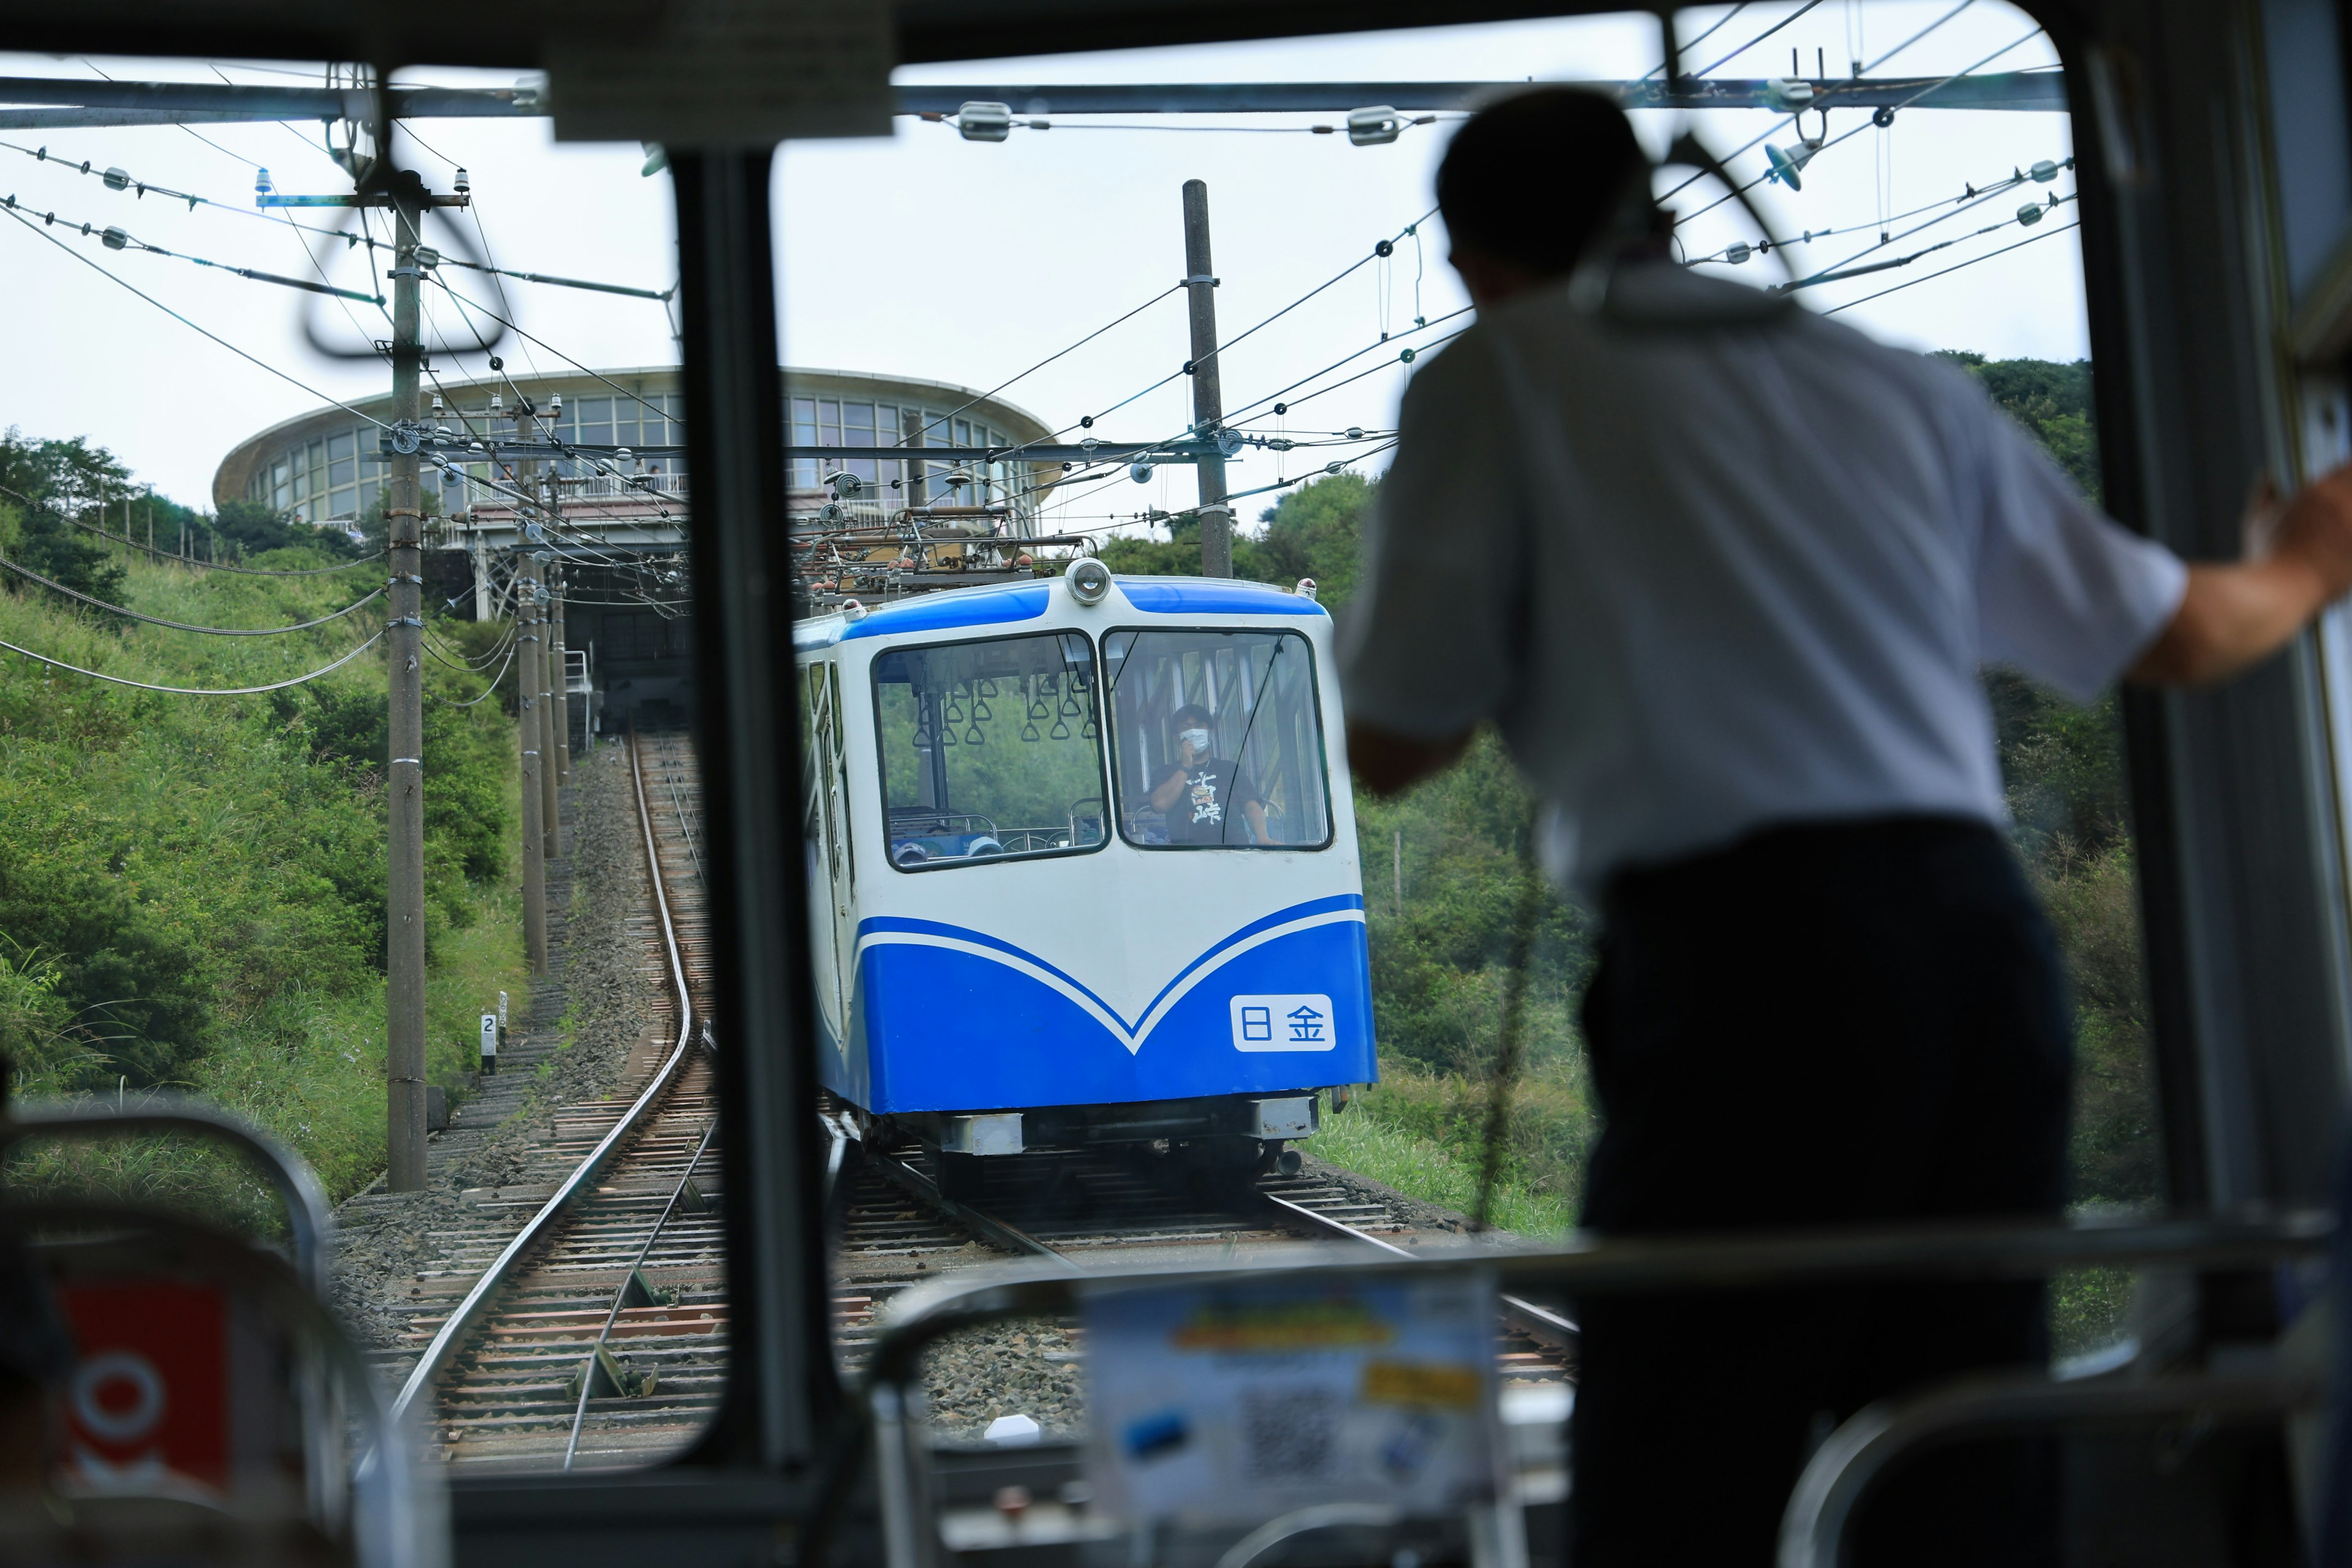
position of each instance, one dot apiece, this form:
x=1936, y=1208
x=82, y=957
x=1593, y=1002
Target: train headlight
x=1089, y=580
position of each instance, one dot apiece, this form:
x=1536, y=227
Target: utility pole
x=380, y=185
x=530, y=722
x=535, y=844
x=1208, y=397
x=550, y=682
x=563, y=686
x=404, y=520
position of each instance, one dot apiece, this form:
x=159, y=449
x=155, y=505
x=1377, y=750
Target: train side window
x=1235, y=714
x=990, y=750
x=839, y=768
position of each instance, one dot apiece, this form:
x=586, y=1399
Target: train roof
x=998, y=603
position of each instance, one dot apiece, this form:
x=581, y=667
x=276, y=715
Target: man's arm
x=2233, y=616
x=1389, y=763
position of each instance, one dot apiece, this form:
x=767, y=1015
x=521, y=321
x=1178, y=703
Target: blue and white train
x=1083, y=865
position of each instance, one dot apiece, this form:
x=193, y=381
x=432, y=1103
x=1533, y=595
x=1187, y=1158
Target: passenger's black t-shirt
x=1207, y=810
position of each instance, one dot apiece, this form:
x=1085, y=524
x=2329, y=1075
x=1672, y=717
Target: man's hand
x=2232, y=616
x=1388, y=763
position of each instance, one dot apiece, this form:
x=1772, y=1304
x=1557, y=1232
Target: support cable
x=491, y=688
x=195, y=691
x=56, y=586
x=186, y=561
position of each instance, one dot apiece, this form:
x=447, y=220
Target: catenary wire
x=1847, y=136
x=1760, y=37
x=1779, y=125
x=128, y=241
x=1971, y=261
x=126, y=283
x=1042, y=364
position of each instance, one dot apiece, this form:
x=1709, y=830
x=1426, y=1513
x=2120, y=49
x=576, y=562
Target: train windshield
x=1219, y=742
x=990, y=749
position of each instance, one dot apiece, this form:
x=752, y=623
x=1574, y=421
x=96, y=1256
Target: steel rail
x=461, y=1322
x=1538, y=1323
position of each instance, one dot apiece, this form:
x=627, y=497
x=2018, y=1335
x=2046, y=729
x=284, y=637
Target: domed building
x=629, y=641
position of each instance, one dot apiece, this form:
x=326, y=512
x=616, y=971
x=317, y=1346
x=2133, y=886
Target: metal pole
x=1208, y=397
x=534, y=843
x=563, y=688
x=404, y=927
x=551, y=738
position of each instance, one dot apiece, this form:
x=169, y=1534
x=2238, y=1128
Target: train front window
x=1220, y=745
x=990, y=750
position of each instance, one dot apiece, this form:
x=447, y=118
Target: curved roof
x=229, y=479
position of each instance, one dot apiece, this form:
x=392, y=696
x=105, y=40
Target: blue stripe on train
x=944, y=1029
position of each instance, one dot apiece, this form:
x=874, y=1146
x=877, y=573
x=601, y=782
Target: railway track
x=592, y=1325
x=594, y=1334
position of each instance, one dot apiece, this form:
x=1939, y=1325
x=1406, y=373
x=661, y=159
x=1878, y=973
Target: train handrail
x=460, y=1323
x=1589, y=1265
x=1812, y=1530
x=308, y=1214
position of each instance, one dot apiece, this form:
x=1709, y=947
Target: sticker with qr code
x=1232, y=1403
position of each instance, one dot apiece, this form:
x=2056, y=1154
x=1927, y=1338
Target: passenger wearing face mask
x=1201, y=794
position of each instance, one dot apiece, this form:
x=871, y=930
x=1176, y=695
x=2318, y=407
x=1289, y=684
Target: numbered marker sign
x=1232, y=1404
x=489, y=1042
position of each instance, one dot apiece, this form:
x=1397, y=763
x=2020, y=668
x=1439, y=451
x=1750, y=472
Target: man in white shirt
x=1723, y=574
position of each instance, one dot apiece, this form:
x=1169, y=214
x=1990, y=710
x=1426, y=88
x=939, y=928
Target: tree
x=51, y=486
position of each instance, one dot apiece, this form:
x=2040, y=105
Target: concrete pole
x=404, y=922
x=1208, y=395
x=550, y=734
x=526, y=726
x=563, y=688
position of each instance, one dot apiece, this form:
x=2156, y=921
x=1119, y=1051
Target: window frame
x=881, y=769
x=1315, y=702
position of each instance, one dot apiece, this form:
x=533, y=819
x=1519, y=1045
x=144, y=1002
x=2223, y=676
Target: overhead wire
x=140, y=188
x=1941, y=272
x=1844, y=269
x=1759, y=39
x=1042, y=364
x=1780, y=125
x=1932, y=88
x=115, y=237
x=125, y=283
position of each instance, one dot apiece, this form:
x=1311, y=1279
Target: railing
x=1840, y=1471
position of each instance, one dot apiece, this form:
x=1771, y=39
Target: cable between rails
x=193, y=690
x=56, y=586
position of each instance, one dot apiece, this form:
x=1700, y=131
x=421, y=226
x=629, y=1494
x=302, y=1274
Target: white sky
x=924, y=255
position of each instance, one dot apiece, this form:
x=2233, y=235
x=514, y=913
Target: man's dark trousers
x=1852, y=1023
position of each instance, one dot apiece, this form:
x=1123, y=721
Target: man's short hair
x=1176, y=720
x=1531, y=179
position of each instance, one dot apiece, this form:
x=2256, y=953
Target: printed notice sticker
x=1236, y=1403
x=1296, y=1023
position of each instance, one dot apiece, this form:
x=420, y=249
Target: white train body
x=1033, y=926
